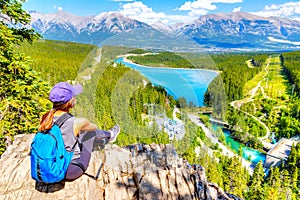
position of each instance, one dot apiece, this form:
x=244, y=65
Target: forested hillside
x=57, y=60
x=289, y=123
x=291, y=62
x=277, y=105
x=235, y=74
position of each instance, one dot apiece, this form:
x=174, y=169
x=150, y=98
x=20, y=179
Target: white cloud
x=59, y=8
x=296, y=18
x=283, y=41
x=289, y=9
x=271, y=7
x=202, y=7
x=196, y=5
x=238, y=9
x=198, y=12
x=141, y=12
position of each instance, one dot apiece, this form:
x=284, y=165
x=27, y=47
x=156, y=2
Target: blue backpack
x=48, y=156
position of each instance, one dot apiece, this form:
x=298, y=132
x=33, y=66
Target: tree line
x=161, y=59
x=57, y=60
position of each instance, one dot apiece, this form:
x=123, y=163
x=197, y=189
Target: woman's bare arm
x=82, y=124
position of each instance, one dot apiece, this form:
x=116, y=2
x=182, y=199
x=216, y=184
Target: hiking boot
x=114, y=131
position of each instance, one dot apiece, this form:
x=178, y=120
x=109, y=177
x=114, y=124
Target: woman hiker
x=79, y=134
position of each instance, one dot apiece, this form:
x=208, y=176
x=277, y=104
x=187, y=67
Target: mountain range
x=223, y=31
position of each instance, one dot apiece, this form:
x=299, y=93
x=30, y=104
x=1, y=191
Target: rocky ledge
x=134, y=172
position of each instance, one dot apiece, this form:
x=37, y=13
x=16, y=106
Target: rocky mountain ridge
x=223, y=30
x=135, y=172
x=90, y=29
x=242, y=30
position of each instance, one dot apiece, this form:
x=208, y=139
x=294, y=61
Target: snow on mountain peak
x=110, y=15
x=58, y=17
x=162, y=27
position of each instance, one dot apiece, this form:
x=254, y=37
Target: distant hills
x=236, y=31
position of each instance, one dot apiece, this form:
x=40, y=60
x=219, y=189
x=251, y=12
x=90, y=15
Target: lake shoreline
x=125, y=59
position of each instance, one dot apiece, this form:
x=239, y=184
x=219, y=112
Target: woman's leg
x=88, y=140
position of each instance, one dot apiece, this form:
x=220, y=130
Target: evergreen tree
x=292, y=168
x=234, y=176
x=273, y=184
x=220, y=134
x=240, y=151
x=256, y=189
x=22, y=91
x=285, y=190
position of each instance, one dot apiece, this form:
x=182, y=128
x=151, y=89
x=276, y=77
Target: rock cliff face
x=133, y=172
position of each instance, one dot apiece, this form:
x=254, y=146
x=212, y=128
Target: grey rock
x=153, y=172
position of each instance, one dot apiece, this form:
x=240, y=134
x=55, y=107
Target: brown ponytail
x=47, y=119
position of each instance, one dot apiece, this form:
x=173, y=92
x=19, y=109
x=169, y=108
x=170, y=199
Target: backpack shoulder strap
x=62, y=119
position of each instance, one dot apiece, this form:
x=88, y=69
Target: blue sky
x=171, y=11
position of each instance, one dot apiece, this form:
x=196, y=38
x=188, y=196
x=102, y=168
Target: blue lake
x=254, y=155
x=178, y=82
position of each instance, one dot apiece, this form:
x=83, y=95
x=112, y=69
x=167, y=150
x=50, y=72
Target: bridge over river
x=219, y=122
x=279, y=152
